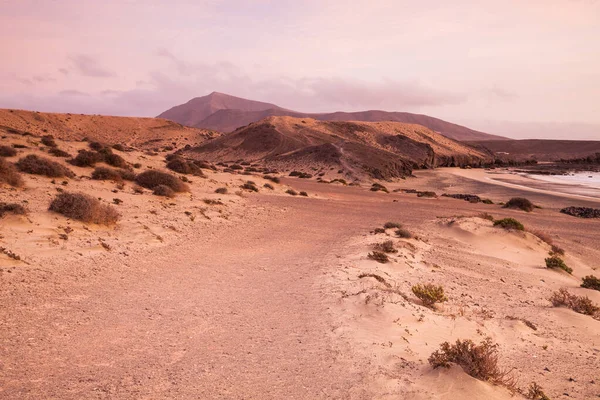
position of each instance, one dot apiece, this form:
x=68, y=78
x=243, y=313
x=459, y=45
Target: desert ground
x=267, y=295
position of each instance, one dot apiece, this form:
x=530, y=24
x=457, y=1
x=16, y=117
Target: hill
x=141, y=132
x=381, y=150
x=225, y=113
x=541, y=150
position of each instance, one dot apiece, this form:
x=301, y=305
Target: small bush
x=555, y=262
x=386, y=247
x=579, y=304
x=390, y=225
x=376, y=187
x=96, y=146
x=84, y=208
x=6, y=151
x=479, y=361
x=87, y=158
x=48, y=140
x=9, y=174
x=535, y=392
x=509, y=224
x=221, y=190
x=268, y=186
x=378, y=230
x=103, y=173
x=379, y=257
x=163, y=190
x=429, y=294
x=152, y=178
x=591, y=282
x=56, y=152
x=119, y=147
x=273, y=179
x=487, y=201
x=33, y=164
x=179, y=164
x=137, y=165
x=291, y=192
x=138, y=189
x=303, y=194
x=487, y=216
x=236, y=167
x=427, y=194
x=249, y=185
x=403, y=233
x=11, y=208
x=520, y=203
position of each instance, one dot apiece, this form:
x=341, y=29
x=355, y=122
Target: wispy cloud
x=89, y=66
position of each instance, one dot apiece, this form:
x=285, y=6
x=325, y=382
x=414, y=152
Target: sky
x=524, y=69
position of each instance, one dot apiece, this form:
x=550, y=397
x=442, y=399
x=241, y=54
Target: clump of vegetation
x=274, y=179
x=479, y=361
x=555, y=262
x=11, y=208
x=535, y=392
x=86, y=158
x=379, y=256
x=96, y=146
x=403, y=233
x=557, y=250
x=427, y=194
x=340, y=180
x=48, y=140
x=103, y=173
x=591, y=282
x=378, y=230
x=9, y=174
x=391, y=225
x=487, y=216
x=114, y=159
x=119, y=147
x=6, y=151
x=386, y=247
x=520, y=203
x=56, y=152
x=292, y=192
x=152, y=178
x=138, y=189
x=510, y=224
x=221, y=190
x=300, y=174
x=268, y=186
x=249, y=185
x=376, y=187
x=33, y=164
x=163, y=190
x=84, y=208
x=137, y=165
x=429, y=294
x=487, y=201
x=579, y=304
x=183, y=166
x=303, y=194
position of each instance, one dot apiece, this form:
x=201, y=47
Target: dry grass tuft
x=33, y=164
x=152, y=178
x=84, y=208
x=579, y=304
x=9, y=174
x=249, y=185
x=429, y=294
x=535, y=392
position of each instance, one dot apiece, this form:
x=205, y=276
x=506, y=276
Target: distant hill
x=382, y=150
x=541, y=150
x=141, y=132
x=225, y=113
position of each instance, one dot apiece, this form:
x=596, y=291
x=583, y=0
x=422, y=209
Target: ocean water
x=589, y=179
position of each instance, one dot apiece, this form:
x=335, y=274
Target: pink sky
x=518, y=68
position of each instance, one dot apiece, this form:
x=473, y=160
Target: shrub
x=403, y=233
x=9, y=174
x=115, y=160
x=6, y=151
x=303, y=194
x=390, y=225
x=152, y=178
x=137, y=165
x=163, y=190
x=48, y=140
x=183, y=166
x=555, y=262
x=236, y=167
x=96, y=146
x=378, y=230
x=119, y=147
x=33, y=164
x=379, y=257
x=273, y=179
x=520, y=203
x=103, y=173
x=579, y=304
x=221, y=190
x=427, y=194
x=479, y=361
x=386, y=247
x=249, y=185
x=56, y=152
x=376, y=187
x=429, y=294
x=591, y=282
x=291, y=192
x=12, y=208
x=87, y=158
x=84, y=208
x=509, y=224
x=138, y=189
x=487, y=216
x=535, y=392
x=268, y=186
x=487, y=201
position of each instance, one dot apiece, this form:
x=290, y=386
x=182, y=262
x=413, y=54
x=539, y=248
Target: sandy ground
x=260, y=297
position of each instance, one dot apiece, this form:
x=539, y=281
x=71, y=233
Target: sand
x=260, y=297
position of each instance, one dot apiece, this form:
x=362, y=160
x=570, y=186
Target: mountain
x=381, y=150
x=225, y=113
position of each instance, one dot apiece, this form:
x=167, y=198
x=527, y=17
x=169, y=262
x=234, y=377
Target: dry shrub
x=379, y=257
x=510, y=224
x=429, y=294
x=12, y=208
x=6, y=151
x=273, y=179
x=152, y=178
x=386, y=247
x=84, y=208
x=403, y=233
x=543, y=236
x=119, y=147
x=520, y=203
x=163, y=190
x=48, y=140
x=9, y=174
x=479, y=361
x=33, y=164
x=103, y=173
x=182, y=166
x=291, y=192
x=138, y=189
x=591, y=282
x=249, y=185
x=268, y=186
x=87, y=158
x=390, y=225
x=554, y=262
x=535, y=392
x=115, y=160
x=221, y=190
x=303, y=194
x=579, y=304
x=96, y=146
x=487, y=216
x=56, y=152
x=376, y=187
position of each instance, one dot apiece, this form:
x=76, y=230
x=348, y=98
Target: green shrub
x=33, y=164
x=487, y=201
x=591, y=282
x=520, y=203
x=429, y=294
x=535, y=392
x=303, y=194
x=152, y=178
x=85, y=208
x=555, y=262
x=509, y=224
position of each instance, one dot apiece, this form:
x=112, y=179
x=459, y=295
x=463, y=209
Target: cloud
x=88, y=66
x=71, y=92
